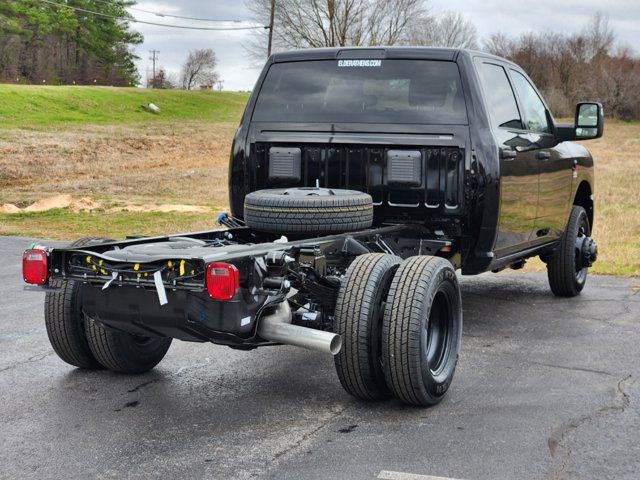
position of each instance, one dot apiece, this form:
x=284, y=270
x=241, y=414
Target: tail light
x=223, y=280
x=35, y=266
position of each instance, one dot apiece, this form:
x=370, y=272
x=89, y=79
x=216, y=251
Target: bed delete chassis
x=126, y=282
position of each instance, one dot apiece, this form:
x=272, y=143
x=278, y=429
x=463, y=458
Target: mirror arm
x=551, y=121
x=565, y=132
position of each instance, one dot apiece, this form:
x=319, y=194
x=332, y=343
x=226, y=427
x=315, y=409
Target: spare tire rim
x=309, y=192
x=439, y=326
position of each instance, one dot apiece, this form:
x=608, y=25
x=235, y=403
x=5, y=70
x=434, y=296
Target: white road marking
x=387, y=475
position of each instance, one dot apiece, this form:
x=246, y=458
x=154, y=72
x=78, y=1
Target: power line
x=154, y=56
x=135, y=20
x=160, y=14
x=270, y=27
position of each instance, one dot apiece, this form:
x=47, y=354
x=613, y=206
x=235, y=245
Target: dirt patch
x=49, y=203
x=62, y=201
x=9, y=208
x=85, y=204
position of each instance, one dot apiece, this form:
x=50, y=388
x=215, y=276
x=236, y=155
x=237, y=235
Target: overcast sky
x=489, y=16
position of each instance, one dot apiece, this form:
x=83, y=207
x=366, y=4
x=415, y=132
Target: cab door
x=554, y=167
x=518, y=164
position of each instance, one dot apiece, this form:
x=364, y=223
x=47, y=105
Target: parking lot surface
x=545, y=388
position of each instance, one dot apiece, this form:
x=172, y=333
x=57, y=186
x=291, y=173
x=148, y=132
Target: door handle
x=543, y=155
x=507, y=154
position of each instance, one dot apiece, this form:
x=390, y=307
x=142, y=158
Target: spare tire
x=308, y=210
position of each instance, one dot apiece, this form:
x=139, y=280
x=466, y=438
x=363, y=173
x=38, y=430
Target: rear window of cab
x=362, y=91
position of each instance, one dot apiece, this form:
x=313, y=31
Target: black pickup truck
x=360, y=180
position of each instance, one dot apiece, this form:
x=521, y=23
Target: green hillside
x=32, y=106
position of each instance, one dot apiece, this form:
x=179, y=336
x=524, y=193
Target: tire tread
x=402, y=327
x=269, y=212
x=353, y=309
x=560, y=266
x=116, y=350
x=65, y=324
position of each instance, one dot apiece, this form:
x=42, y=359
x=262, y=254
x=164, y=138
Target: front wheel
x=421, y=330
x=568, y=264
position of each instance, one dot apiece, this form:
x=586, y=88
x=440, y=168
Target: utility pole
x=271, y=17
x=153, y=58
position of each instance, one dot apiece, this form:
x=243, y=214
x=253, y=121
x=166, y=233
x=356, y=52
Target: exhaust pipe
x=277, y=328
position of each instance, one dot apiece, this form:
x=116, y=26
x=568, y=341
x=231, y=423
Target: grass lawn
x=65, y=224
x=28, y=106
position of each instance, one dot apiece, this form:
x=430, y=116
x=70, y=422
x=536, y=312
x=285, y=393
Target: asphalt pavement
x=545, y=388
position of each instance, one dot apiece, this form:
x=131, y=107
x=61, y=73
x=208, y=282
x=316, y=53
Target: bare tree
x=573, y=68
x=450, y=29
x=598, y=35
x=498, y=44
x=618, y=84
x=387, y=22
x=199, y=69
x=161, y=80
x=332, y=23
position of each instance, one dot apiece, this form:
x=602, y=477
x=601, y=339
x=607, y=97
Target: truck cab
x=457, y=140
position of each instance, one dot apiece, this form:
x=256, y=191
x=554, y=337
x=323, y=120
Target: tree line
x=567, y=68
x=45, y=43
x=582, y=66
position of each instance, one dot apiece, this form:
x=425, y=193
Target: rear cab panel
x=361, y=119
